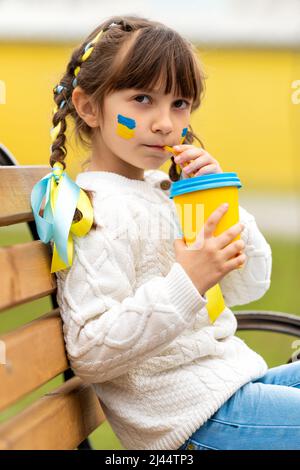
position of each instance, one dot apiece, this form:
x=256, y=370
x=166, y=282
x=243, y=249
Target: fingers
x=190, y=154
x=182, y=147
x=226, y=237
x=213, y=220
x=233, y=249
x=234, y=263
x=222, y=240
x=209, y=227
x=206, y=169
x=195, y=165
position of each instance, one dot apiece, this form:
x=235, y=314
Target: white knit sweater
x=135, y=325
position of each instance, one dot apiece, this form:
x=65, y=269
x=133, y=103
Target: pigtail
x=58, y=149
x=60, y=221
x=63, y=99
x=64, y=107
x=190, y=136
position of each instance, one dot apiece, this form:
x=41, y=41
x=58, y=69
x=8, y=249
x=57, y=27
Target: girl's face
x=136, y=125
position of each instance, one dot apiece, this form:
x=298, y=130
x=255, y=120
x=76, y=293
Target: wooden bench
x=35, y=352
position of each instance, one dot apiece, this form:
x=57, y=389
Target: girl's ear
x=85, y=107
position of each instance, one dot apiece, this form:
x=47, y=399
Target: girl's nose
x=162, y=124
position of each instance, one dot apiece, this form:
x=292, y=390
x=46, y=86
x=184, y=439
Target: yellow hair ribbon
x=88, y=50
x=87, y=54
x=79, y=228
x=76, y=71
x=55, y=131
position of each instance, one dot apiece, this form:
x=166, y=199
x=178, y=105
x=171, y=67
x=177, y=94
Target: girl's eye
x=183, y=101
x=140, y=98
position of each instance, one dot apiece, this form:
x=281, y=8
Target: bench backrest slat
x=59, y=420
x=35, y=354
x=25, y=274
x=16, y=183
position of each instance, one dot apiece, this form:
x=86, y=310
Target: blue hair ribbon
x=62, y=197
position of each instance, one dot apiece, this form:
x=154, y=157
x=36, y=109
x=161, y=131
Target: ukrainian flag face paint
x=125, y=127
x=183, y=134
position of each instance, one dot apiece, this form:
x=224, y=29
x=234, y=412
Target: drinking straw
x=172, y=150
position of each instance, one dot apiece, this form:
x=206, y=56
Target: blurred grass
x=275, y=348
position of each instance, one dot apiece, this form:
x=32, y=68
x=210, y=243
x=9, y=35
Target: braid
x=63, y=95
x=174, y=175
x=63, y=99
x=58, y=149
x=64, y=106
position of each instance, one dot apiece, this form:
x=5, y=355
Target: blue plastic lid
x=196, y=183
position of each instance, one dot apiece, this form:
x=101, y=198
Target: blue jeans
x=263, y=414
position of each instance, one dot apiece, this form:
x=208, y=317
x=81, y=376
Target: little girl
x=133, y=301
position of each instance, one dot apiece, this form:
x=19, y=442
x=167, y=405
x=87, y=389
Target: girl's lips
x=155, y=147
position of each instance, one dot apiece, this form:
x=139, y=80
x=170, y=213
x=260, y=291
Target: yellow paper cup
x=196, y=198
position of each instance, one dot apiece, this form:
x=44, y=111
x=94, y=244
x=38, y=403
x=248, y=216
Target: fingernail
x=176, y=147
x=226, y=205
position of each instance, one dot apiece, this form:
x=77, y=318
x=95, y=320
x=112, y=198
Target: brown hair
x=155, y=52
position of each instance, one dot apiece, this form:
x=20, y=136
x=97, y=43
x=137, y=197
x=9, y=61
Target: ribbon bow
x=62, y=197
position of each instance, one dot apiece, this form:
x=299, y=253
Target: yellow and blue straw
x=172, y=150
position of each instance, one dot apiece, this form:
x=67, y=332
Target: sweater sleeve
x=109, y=327
x=251, y=282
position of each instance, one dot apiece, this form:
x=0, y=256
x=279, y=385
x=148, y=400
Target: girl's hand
x=201, y=162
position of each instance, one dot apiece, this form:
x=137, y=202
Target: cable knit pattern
x=136, y=327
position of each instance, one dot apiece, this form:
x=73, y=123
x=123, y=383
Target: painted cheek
x=125, y=127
